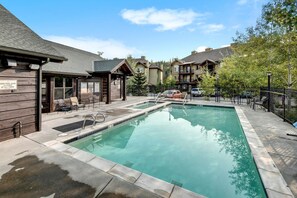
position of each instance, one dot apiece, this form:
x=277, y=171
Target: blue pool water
x=143, y=105
x=200, y=148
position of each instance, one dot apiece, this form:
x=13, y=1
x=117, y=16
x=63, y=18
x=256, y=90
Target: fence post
x=268, y=87
x=284, y=102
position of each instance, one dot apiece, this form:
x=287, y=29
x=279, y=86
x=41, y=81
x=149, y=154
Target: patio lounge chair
x=75, y=104
x=62, y=106
x=260, y=102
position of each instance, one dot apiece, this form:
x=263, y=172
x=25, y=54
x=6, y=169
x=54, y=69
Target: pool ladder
x=157, y=98
x=185, y=99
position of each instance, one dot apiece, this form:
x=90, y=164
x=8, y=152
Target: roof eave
x=53, y=58
x=65, y=73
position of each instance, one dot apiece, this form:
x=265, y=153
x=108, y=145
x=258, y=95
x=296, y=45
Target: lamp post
x=268, y=90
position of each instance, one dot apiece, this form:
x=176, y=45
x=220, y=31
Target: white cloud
x=201, y=48
x=227, y=45
x=110, y=48
x=245, y=2
x=242, y=2
x=209, y=28
x=166, y=19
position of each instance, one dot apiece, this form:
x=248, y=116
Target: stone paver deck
x=84, y=175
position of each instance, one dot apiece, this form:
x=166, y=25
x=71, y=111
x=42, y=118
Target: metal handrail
x=89, y=116
x=100, y=114
x=157, y=98
x=19, y=123
x=185, y=99
x=94, y=118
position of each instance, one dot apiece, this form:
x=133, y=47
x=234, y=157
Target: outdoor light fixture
x=34, y=66
x=9, y=62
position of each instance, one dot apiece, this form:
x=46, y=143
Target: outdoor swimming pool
x=143, y=105
x=200, y=148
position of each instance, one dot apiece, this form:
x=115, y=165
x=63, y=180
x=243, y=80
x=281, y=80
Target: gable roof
x=155, y=66
x=16, y=37
x=141, y=61
x=215, y=55
x=110, y=66
x=79, y=61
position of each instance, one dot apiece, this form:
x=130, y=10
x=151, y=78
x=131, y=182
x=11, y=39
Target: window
x=89, y=87
x=176, y=68
x=63, y=88
x=68, y=88
x=58, y=82
x=83, y=87
x=97, y=87
x=140, y=69
x=59, y=88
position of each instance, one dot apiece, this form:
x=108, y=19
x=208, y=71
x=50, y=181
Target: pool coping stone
x=266, y=167
x=273, y=181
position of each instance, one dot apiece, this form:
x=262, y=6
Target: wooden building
x=192, y=67
x=85, y=75
x=62, y=81
x=34, y=74
x=22, y=55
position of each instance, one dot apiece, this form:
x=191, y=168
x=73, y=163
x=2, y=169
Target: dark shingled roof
x=79, y=61
x=107, y=65
x=110, y=66
x=16, y=37
x=140, y=60
x=215, y=55
x=155, y=66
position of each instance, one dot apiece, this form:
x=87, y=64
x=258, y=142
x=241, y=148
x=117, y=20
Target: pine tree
x=139, y=84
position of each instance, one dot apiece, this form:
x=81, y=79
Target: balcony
x=186, y=72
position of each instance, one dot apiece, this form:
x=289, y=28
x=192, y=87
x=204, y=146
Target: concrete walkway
x=282, y=148
x=37, y=166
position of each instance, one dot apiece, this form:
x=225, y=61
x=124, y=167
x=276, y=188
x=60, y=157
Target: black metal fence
x=282, y=102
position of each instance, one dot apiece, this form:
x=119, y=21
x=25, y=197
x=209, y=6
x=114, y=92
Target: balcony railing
x=186, y=71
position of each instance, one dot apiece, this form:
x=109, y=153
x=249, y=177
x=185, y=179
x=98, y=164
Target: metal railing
x=94, y=118
x=185, y=99
x=282, y=102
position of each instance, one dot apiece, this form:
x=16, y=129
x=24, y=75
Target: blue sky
x=157, y=29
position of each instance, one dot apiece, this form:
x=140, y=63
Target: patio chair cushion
x=75, y=103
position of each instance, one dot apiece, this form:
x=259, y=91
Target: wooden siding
x=20, y=104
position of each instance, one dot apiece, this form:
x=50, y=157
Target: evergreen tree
x=139, y=84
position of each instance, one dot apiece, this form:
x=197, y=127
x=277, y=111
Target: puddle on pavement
x=31, y=177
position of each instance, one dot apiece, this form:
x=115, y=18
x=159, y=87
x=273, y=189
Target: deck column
x=39, y=91
x=124, y=88
x=108, y=88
